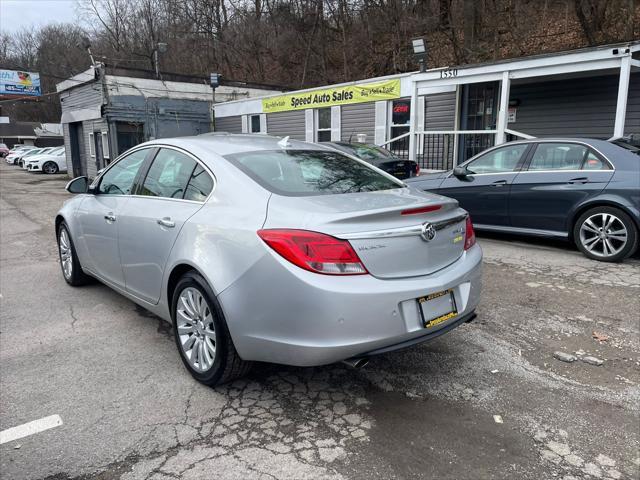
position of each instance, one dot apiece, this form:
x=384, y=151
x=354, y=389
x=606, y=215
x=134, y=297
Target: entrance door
x=479, y=112
x=75, y=136
x=128, y=135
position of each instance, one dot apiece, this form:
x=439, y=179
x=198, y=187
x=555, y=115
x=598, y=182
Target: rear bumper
x=279, y=313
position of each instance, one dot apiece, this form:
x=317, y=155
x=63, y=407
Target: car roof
x=223, y=144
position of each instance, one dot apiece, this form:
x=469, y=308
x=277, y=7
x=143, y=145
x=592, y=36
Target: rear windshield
x=310, y=172
x=371, y=152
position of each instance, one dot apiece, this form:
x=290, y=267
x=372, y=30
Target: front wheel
x=605, y=233
x=71, y=269
x=50, y=167
x=201, y=333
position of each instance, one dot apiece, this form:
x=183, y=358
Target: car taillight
x=416, y=211
x=417, y=170
x=469, y=236
x=315, y=252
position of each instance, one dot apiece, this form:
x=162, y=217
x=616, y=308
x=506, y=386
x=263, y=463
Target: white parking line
x=30, y=428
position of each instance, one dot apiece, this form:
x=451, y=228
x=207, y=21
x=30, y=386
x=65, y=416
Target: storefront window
x=323, y=132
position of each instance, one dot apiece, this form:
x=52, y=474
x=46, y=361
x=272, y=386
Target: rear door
x=98, y=217
x=484, y=193
x=174, y=188
x=557, y=177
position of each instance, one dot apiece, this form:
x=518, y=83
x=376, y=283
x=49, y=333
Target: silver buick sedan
x=259, y=248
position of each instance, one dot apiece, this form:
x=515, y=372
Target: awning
x=81, y=114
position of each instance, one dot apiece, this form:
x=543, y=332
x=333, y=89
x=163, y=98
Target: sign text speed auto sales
x=327, y=97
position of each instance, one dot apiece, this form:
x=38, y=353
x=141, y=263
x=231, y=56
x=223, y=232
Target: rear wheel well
x=584, y=208
x=175, y=275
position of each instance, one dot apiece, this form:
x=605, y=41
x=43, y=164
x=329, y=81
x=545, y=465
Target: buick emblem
x=428, y=232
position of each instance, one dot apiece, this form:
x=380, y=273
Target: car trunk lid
x=388, y=229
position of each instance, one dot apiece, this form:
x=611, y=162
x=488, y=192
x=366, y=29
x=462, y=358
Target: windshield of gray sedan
x=310, y=172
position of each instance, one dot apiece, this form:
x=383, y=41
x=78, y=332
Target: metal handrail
x=394, y=139
x=518, y=134
x=453, y=132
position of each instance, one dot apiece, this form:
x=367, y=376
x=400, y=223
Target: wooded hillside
x=305, y=43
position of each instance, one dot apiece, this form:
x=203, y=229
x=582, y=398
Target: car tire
x=69, y=263
x=50, y=167
x=199, y=325
x=606, y=234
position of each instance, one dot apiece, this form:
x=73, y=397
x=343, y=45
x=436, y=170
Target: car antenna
x=350, y=136
x=284, y=143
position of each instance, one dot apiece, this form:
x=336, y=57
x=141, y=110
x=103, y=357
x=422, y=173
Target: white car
x=52, y=162
x=16, y=152
x=33, y=154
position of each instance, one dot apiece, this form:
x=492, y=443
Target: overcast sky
x=21, y=14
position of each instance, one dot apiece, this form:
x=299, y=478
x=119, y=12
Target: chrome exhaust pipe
x=356, y=362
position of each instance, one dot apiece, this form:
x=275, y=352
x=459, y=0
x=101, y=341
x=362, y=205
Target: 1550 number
x=449, y=73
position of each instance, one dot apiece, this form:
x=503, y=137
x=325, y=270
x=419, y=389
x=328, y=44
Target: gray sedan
x=578, y=189
x=258, y=248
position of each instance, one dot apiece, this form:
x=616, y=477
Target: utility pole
x=215, y=83
x=161, y=47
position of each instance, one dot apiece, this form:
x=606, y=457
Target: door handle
x=110, y=217
x=581, y=180
x=499, y=183
x=166, y=222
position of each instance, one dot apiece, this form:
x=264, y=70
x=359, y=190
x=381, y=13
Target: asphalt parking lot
x=487, y=401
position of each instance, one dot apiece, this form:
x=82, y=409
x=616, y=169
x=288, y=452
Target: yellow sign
x=327, y=97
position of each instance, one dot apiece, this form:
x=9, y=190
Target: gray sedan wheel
x=69, y=263
x=196, y=329
x=201, y=333
x=606, y=234
x=50, y=167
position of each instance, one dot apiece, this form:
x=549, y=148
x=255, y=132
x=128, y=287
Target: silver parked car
x=258, y=248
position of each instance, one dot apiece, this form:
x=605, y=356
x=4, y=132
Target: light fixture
x=420, y=52
x=419, y=47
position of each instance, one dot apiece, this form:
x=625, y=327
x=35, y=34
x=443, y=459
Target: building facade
x=104, y=115
x=444, y=116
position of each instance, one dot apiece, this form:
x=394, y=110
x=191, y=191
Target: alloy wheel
x=603, y=235
x=49, y=168
x=66, y=254
x=196, y=330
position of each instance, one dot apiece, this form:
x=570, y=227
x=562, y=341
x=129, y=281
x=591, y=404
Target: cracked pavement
x=130, y=410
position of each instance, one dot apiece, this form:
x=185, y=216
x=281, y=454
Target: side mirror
x=78, y=185
x=460, y=172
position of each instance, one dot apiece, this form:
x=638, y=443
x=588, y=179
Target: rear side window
x=593, y=162
x=199, y=186
x=169, y=174
x=565, y=156
x=558, y=156
x=310, y=172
